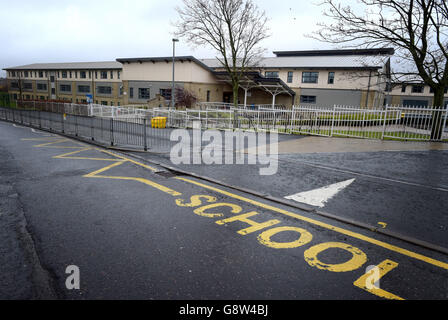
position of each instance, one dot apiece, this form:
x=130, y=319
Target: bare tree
x=416, y=29
x=234, y=28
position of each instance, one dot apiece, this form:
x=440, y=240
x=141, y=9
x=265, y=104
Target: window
x=42, y=98
x=307, y=99
x=103, y=74
x=82, y=74
x=166, y=93
x=310, y=77
x=388, y=87
x=65, y=88
x=83, y=89
x=52, y=78
x=42, y=86
x=64, y=74
x=53, y=91
x=28, y=86
x=104, y=90
x=111, y=74
x=104, y=103
x=26, y=74
x=14, y=96
x=76, y=74
x=271, y=74
x=14, y=85
x=41, y=74
x=121, y=90
x=70, y=74
x=143, y=93
x=290, y=76
x=415, y=103
x=417, y=88
x=13, y=74
x=131, y=93
x=96, y=74
x=208, y=95
x=118, y=74
x=330, y=77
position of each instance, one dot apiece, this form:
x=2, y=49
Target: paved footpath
x=137, y=233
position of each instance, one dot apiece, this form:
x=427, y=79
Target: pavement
x=137, y=231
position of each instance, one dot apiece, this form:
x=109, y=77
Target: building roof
x=343, y=52
x=165, y=59
x=317, y=62
x=69, y=66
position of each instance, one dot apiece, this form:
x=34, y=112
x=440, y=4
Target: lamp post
x=173, y=84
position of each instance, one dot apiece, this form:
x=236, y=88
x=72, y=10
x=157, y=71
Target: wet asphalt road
x=407, y=190
x=132, y=238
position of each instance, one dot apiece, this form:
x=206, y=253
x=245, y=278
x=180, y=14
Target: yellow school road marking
x=96, y=173
x=69, y=155
x=366, y=281
x=119, y=160
x=122, y=159
x=323, y=225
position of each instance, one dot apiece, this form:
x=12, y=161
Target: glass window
x=271, y=74
x=330, y=77
x=42, y=86
x=64, y=74
x=290, y=76
x=118, y=73
x=65, y=88
x=143, y=93
x=104, y=90
x=111, y=74
x=307, y=99
x=103, y=74
x=131, y=93
x=28, y=85
x=166, y=93
x=417, y=89
x=26, y=74
x=83, y=89
x=310, y=77
x=41, y=74
x=403, y=88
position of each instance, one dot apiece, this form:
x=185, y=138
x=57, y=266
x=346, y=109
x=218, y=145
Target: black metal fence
x=134, y=132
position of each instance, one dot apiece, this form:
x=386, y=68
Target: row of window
x=67, y=74
x=32, y=97
x=63, y=87
x=307, y=77
x=418, y=88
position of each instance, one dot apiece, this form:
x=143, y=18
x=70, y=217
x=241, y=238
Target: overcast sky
x=100, y=30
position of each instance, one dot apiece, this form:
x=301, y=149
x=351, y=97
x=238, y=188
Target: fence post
x=111, y=131
x=62, y=123
x=332, y=121
x=444, y=123
x=92, y=132
x=145, y=147
x=384, y=122
x=76, y=125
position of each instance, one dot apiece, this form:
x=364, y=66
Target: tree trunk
x=438, y=116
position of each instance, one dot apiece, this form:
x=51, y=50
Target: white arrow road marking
x=319, y=197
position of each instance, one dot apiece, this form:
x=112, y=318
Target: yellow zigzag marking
x=118, y=160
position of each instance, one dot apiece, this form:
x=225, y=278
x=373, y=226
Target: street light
x=172, y=87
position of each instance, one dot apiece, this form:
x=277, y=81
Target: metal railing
x=398, y=123
x=136, y=133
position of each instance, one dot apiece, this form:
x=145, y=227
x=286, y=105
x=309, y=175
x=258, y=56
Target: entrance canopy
x=254, y=80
